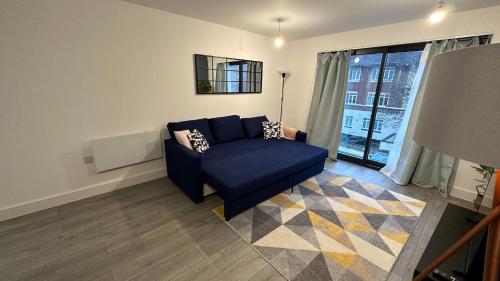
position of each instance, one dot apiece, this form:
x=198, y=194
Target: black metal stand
x=283, y=75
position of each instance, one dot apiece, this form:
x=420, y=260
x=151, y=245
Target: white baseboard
x=89, y=191
x=74, y=195
x=469, y=195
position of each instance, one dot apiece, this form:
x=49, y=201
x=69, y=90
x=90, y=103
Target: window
x=384, y=99
x=354, y=74
x=377, y=127
x=388, y=80
x=351, y=97
x=348, y=121
x=366, y=123
x=389, y=73
x=370, y=98
x=374, y=75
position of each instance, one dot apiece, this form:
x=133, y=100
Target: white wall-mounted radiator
x=119, y=151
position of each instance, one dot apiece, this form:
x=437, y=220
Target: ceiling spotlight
x=439, y=13
x=279, y=41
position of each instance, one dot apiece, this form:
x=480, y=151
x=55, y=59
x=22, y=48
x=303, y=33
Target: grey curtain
x=420, y=165
x=220, y=78
x=249, y=81
x=324, y=121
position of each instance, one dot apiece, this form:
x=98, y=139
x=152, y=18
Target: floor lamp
x=284, y=74
x=460, y=116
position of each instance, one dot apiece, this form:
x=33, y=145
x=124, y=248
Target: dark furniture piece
x=243, y=167
x=468, y=262
x=219, y=75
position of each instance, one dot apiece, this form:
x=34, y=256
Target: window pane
x=370, y=98
x=233, y=78
x=366, y=123
x=396, y=87
x=358, y=104
x=389, y=73
x=384, y=99
x=354, y=74
x=204, y=74
x=205, y=86
x=374, y=75
x=351, y=97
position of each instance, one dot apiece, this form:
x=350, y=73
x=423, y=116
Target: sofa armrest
x=301, y=136
x=184, y=169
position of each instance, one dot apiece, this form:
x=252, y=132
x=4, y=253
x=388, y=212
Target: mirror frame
x=197, y=81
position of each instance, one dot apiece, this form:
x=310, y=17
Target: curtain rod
x=409, y=42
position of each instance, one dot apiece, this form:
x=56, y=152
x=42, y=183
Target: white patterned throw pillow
x=272, y=130
x=198, y=141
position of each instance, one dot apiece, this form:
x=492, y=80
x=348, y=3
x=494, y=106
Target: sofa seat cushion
x=239, y=167
x=226, y=128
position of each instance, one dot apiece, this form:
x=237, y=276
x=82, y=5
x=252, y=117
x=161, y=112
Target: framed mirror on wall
x=220, y=75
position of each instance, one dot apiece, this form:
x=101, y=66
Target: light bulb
x=356, y=60
x=437, y=16
x=278, y=41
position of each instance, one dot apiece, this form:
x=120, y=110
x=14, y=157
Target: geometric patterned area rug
x=331, y=227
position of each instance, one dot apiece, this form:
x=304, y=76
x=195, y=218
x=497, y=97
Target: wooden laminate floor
x=152, y=231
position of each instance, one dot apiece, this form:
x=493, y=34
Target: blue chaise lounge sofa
x=240, y=165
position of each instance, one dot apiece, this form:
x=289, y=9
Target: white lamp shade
x=460, y=113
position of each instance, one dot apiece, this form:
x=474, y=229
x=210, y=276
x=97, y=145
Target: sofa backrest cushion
x=253, y=126
x=226, y=128
x=199, y=124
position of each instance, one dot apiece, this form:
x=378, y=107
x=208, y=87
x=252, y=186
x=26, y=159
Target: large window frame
x=375, y=125
x=391, y=76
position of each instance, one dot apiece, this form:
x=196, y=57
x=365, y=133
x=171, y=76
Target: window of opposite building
x=351, y=97
x=354, y=74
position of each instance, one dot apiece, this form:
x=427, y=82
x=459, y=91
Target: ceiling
x=308, y=18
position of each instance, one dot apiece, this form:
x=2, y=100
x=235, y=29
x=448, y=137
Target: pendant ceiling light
x=279, y=41
x=439, y=13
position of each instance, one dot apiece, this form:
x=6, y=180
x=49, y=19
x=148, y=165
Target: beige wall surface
x=72, y=71
x=302, y=63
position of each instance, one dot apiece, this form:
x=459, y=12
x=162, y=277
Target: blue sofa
x=240, y=165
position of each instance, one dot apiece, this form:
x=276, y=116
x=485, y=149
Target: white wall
x=76, y=70
x=302, y=63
